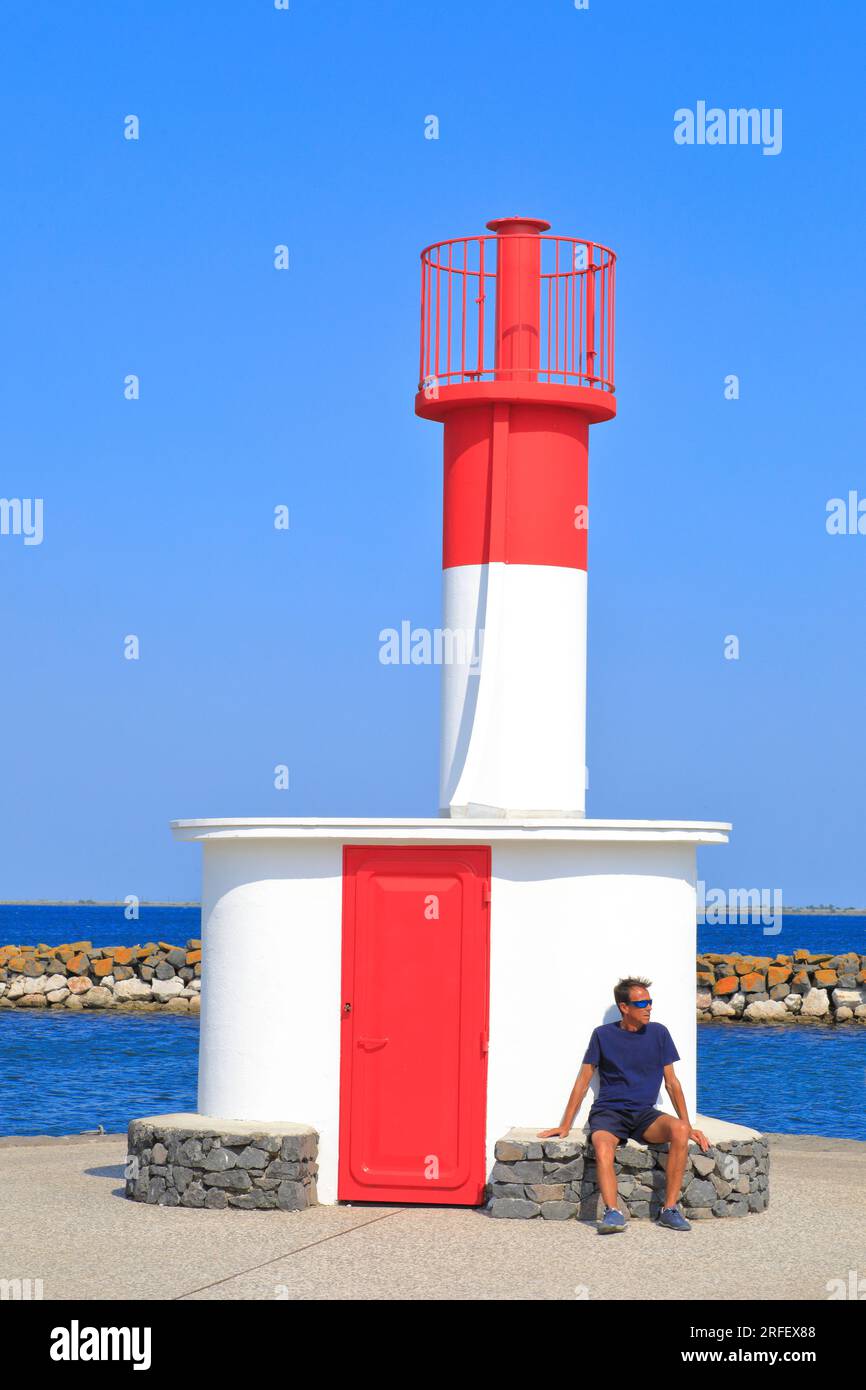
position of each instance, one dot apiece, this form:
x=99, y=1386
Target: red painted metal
x=545, y=302
x=513, y=487
x=517, y=422
x=414, y=1024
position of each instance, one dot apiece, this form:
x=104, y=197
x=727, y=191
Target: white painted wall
x=270, y=1011
x=567, y=919
x=567, y=922
x=514, y=724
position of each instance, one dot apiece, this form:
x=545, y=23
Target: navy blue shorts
x=623, y=1121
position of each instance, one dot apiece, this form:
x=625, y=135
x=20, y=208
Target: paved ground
x=64, y=1219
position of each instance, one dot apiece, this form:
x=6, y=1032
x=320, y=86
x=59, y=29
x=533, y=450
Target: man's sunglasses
x=640, y=1003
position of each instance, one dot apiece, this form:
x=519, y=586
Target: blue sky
x=260, y=387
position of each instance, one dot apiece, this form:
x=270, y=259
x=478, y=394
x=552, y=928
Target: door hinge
x=485, y=894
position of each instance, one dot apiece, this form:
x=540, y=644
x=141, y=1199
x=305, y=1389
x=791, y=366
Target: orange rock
x=76, y=964
x=192, y=957
x=826, y=977
x=777, y=975
x=16, y=963
x=801, y=978
x=802, y=956
x=123, y=955
x=103, y=967
x=861, y=977
x=165, y=946
x=753, y=982
x=706, y=978
x=729, y=984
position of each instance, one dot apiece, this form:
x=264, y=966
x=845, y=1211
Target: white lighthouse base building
x=413, y=990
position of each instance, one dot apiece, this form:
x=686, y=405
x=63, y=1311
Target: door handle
x=372, y=1042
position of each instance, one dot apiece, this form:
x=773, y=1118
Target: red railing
x=575, y=313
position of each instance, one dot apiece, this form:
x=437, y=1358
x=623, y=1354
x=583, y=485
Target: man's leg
x=605, y=1144
x=667, y=1129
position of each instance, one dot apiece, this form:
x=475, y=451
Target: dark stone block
x=296, y=1147
x=236, y=1180
x=279, y=1169
x=558, y=1210
x=513, y=1207
x=291, y=1196
x=564, y=1172
x=194, y=1196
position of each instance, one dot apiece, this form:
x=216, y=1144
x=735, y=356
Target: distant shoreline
x=143, y=902
x=86, y=902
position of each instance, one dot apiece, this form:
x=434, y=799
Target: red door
x=414, y=1018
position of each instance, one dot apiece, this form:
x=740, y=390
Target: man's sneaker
x=673, y=1219
x=613, y=1220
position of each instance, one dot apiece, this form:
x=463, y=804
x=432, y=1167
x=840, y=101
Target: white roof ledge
x=445, y=829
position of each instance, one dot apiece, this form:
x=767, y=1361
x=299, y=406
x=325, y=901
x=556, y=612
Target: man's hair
x=622, y=990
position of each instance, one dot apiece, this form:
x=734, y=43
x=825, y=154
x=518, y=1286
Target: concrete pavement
x=64, y=1220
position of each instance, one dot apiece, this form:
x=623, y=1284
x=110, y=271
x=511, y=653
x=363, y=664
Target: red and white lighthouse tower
x=517, y=362
x=420, y=927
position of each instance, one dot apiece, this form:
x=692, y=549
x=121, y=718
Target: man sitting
x=632, y=1056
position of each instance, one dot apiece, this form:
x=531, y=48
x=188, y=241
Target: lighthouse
x=517, y=363
x=386, y=998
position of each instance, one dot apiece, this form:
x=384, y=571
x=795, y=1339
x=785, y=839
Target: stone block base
x=556, y=1178
x=191, y=1160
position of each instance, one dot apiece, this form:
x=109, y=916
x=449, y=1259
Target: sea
x=68, y=1073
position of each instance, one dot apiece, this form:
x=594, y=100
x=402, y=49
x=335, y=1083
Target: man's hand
x=558, y=1133
x=702, y=1139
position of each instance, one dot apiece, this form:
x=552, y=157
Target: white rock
x=860, y=1012
x=737, y=1002
x=34, y=984
x=703, y=999
x=195, y=984
x=108, y=981
x=816, y=1004
x=722, y=1009
x=2, y=988
x=57, y=996
x=16, y=989
x=843, y=1014
x=96, y=998
x=794, y=1002
x=764, y=1009
x=53, y=982
x=132, y=989
x=167, y=989
x=848, y=998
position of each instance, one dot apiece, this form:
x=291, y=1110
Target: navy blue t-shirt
x=630, y=1065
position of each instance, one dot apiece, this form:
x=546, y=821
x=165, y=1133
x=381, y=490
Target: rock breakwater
x=803, y=987
x=155, y=977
